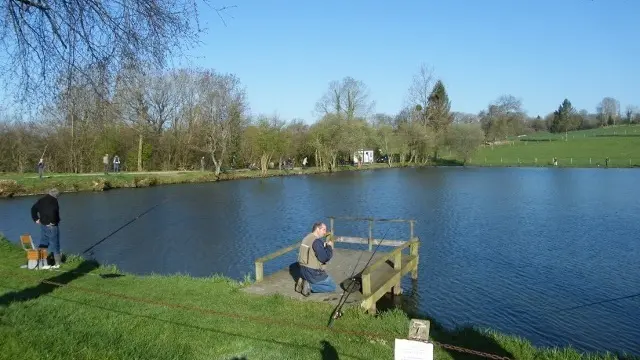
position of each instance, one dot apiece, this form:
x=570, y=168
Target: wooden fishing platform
x=381, y=276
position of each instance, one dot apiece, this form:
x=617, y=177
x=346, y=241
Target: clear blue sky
x=541, y=51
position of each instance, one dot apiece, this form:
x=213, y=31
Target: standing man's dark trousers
x=50, y=239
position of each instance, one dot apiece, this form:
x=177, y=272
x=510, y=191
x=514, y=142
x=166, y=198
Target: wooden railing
x=400, y=244
x=396, y=257
x=260, y=261
x=371, y=221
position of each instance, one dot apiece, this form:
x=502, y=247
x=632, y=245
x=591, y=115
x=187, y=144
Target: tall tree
x=608, y=111
x=222, y=103
x=564, y=119
x=420, y=91
x=348, y=98
x=439, y=114
x=503, y=117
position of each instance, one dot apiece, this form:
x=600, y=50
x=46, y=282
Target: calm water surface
x=502, y=248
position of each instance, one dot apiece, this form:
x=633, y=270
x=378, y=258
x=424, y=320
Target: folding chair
x=36, y=258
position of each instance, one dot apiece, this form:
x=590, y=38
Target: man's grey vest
x=306, y=255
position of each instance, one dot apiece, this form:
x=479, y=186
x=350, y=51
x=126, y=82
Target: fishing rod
x=337, y=311
x=125, y=225
x=349, y=288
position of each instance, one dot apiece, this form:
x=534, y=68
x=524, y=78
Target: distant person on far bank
x=41, y=168
x=105, y=162
x=116, y=163
x=313, y=256
x=46, y=213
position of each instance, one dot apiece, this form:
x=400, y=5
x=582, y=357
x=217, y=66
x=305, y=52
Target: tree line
x=96, y=67
x=170, y=120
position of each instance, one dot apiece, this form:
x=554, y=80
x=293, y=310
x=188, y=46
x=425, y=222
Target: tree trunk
x=264, y=163
x=317, y=163
x=74, y=161
x=216, y=165
x=140, y=139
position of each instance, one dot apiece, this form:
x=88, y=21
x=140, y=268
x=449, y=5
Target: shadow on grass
x=447, y=162
x=328, y=352
x=326, y=349
x=617, y=135
x=538, y=140
x=465, y=337
x=34, y=292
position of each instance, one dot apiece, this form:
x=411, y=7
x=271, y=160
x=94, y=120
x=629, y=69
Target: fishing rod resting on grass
x=337, y=312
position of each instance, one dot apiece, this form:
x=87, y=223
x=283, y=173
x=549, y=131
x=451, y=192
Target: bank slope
x=121, y=316
x=30, y=184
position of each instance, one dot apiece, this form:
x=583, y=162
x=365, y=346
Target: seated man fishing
x=313, y=256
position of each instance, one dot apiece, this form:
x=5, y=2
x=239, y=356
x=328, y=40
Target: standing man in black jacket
x=46, y=212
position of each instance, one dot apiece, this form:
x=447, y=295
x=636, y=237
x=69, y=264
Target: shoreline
x=113, y=315
x=20, y=185
x=28, y=184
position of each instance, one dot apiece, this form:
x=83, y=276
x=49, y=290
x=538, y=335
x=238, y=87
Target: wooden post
x=370, y=235
x=397, y=266
x=419, y=330
x=411, y=224
x=413, y=250
x=259, y=271
x=331, y=226
x=366, y=284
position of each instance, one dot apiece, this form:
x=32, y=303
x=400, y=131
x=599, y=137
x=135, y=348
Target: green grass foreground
x=586, y=148
x=39, y=320
x=13, y=184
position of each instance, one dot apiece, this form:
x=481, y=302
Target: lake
x=504, y=248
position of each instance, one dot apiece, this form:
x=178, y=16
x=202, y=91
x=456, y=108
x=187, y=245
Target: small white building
x=364, y=156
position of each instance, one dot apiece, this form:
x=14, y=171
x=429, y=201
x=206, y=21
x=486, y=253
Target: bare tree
x=348, y=98
x=42, y=38
x=222, y=104
x=608, y=111
x=503, y=117
x=420, y=91
x=465, y=118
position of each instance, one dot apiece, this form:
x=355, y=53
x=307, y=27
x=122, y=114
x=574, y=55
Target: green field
x=179, y=317
x=586, y=148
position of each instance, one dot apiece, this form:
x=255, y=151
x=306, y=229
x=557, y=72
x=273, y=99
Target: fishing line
x=600, y=302
x=124, y=226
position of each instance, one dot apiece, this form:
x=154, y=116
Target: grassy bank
x=29, y=183
x=588, y=148
x=138, y=318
